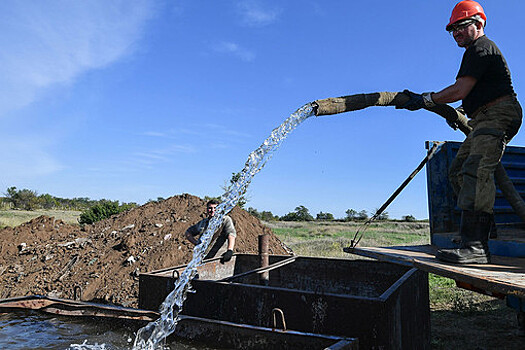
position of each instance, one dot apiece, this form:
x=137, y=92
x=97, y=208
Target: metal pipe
x=453, y=116
x=260, y=270
x=264, y=259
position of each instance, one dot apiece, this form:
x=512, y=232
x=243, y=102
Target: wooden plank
x=504, y=275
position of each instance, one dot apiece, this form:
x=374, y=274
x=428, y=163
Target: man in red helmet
x=484, y=85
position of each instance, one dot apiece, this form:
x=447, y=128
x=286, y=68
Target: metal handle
x=274, y=312
x=175, y=272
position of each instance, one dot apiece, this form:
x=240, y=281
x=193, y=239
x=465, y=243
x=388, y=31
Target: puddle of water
x=31, y=330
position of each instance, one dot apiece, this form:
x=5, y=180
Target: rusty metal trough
x=383, y=305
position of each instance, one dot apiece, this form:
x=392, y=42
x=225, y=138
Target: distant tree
x=409, y=218
x=268, y=216
x=382, y=216
x=362, y=215
x=263, y=215
x=233, y=180
x=324, y=216
x=254, y=212
x=301, y=213
x=22, y=199
x=351, y=214
x=47, y=201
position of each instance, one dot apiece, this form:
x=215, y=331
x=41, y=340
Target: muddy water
x=22, y=331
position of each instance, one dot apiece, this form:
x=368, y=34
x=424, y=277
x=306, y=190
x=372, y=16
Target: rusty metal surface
x=74, y=308
x=231, y=335
x=381, y=304
x=264, y=259
x=260, y=270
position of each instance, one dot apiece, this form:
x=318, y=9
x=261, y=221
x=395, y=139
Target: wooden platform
x=504, y=276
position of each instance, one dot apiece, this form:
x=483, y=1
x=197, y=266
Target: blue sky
x=136, y=100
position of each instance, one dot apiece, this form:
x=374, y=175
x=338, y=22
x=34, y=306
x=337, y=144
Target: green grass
x=11, y=218
x=329, y=238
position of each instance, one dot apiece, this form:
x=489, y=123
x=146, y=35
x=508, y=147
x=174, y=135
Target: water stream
x=152, y=336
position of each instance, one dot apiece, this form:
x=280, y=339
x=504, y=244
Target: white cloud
x=161, y=155
x=254, y=14
x=45, y=43
x=235, y=50
x=154, y=134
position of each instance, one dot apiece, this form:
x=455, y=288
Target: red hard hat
x=466, y=9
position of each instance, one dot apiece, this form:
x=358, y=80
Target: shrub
x=103, y=210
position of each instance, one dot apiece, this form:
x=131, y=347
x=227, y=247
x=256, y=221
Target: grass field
x=329, y=238
x=16, y=217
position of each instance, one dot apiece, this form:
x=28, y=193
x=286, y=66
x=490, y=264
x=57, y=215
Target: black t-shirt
x=484, y=61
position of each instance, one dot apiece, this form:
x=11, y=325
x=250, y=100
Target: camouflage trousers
x=471, y=173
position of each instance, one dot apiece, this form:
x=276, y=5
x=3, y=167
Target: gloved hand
x=227, y=256
x=315, y=107
x=453, y=124
x=417, y=101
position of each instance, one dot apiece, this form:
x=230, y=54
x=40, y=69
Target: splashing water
x=86, y=346
x=152, y=336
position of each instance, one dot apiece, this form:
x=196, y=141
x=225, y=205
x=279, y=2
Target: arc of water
x=153, y=334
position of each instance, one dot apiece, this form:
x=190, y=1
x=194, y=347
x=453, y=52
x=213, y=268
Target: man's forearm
x=191, y=238
x=231, y=242
x=455, y=92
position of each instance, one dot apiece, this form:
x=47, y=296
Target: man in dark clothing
x=223, y=240
x=484, y=85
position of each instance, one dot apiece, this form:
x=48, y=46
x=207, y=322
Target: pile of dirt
x=46, y=256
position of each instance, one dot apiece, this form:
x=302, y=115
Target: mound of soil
x=46, y=256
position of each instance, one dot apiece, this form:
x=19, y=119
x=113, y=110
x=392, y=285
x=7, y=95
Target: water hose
x=454, y=117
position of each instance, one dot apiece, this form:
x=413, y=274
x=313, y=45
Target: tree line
x=301, y=213
x=95, y=210
x=92, y=210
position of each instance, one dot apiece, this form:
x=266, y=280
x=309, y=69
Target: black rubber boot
x=492, y=235
x=474, y=230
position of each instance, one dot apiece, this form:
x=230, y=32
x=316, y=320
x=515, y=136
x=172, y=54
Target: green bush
x=103, y=210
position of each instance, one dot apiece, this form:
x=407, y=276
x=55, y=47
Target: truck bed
x=505, y=276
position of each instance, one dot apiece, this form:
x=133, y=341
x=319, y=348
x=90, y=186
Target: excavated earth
x=46, y=256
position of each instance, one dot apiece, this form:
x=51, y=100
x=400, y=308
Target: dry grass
x=327, y=239
x=13, y=218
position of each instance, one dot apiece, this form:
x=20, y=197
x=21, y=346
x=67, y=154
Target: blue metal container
x=445, y=216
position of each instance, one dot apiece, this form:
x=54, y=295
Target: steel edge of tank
x=381, y=304
x=67, y=307
x=242, y=336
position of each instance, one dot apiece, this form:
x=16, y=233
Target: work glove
x=227, y=256
x=417, y=101
x=453, y=124
x=315, y=108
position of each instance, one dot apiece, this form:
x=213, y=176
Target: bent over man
x=225, y=235
x=484, y=85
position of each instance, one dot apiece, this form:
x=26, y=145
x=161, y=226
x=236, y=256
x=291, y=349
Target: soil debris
x=46, y=256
